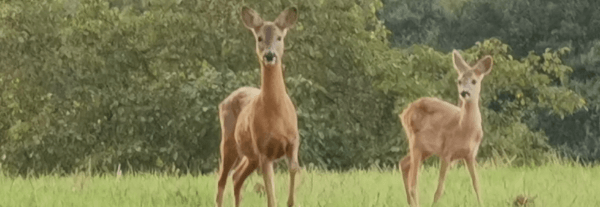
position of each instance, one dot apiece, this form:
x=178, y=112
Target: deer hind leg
x=471, y=162
x=244, y=169
x=228, y=158
x=405, y=167
x=229, y=154
x=294, y=167
x=416, y=157
x=445, y=165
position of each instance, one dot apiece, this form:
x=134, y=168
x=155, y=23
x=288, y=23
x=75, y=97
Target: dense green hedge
x=92, y=84
x=527, y=25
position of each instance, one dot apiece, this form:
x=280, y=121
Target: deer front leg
x=267, y=168
x=292, y=186
x=443, y=169
x=471, y=162
x=294, y=167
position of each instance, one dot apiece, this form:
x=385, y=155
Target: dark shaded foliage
x=531, y=25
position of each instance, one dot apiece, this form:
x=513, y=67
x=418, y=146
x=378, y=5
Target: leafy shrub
x=91, y=84
x=530, y=25
x=513, y=92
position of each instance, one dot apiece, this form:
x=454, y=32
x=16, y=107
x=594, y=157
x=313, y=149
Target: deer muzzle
x=465, y=94
x=270, y=58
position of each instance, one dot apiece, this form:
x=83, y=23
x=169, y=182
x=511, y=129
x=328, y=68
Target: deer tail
x=406, y=120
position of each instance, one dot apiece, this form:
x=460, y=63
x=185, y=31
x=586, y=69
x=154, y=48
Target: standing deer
x=259, y=126
x=436, y=127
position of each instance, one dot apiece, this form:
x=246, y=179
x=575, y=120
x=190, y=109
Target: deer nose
x=269, y=56
x=464, y=94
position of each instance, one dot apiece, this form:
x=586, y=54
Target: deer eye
x=474, y=82
x=459, y=82
x=260, y=39
x=279, y=38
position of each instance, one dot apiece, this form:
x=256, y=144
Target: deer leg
x=404, y=167
x=471, y=162
x=242, y=172
x=228, y=158
x=415, y=164
x=440, y=189
x=294, y=167
x=267, y=168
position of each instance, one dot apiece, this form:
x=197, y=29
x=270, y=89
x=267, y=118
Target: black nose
x=464, y=93
x=269, y=56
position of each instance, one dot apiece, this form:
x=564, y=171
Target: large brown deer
x=259, y=126
x=436, y=127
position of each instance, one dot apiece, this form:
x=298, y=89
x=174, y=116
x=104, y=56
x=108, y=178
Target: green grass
x=552, y=185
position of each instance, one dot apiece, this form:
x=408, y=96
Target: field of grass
x=552, y=185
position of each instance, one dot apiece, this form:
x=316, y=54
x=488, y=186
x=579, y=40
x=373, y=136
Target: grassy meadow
x=550, y=185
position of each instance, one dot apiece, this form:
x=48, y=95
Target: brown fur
x=260, y=126
x=436, y=127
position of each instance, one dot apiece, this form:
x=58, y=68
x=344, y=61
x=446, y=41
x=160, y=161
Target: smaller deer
x=436, y=127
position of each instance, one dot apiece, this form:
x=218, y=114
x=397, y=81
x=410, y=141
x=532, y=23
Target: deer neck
x=272, y=85
x=470, y=116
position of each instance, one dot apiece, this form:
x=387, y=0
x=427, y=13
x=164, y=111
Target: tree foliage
x=91, y=84
x=530, y=25
x=515, y=90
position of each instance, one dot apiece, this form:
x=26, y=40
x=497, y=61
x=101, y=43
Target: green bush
x=514, y=91
x=91, y=84
x=105, y=87
x=530, y=25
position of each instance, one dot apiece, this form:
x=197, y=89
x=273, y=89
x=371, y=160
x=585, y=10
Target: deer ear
x=484, y=66
x=459, y=63
x=250, y=18
x=287, y=18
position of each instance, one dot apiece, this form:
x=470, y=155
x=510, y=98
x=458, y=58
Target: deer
x=452, y=133
x=260, y=126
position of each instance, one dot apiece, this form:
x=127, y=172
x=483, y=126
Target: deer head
x=469, y=78
x=269, y=36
